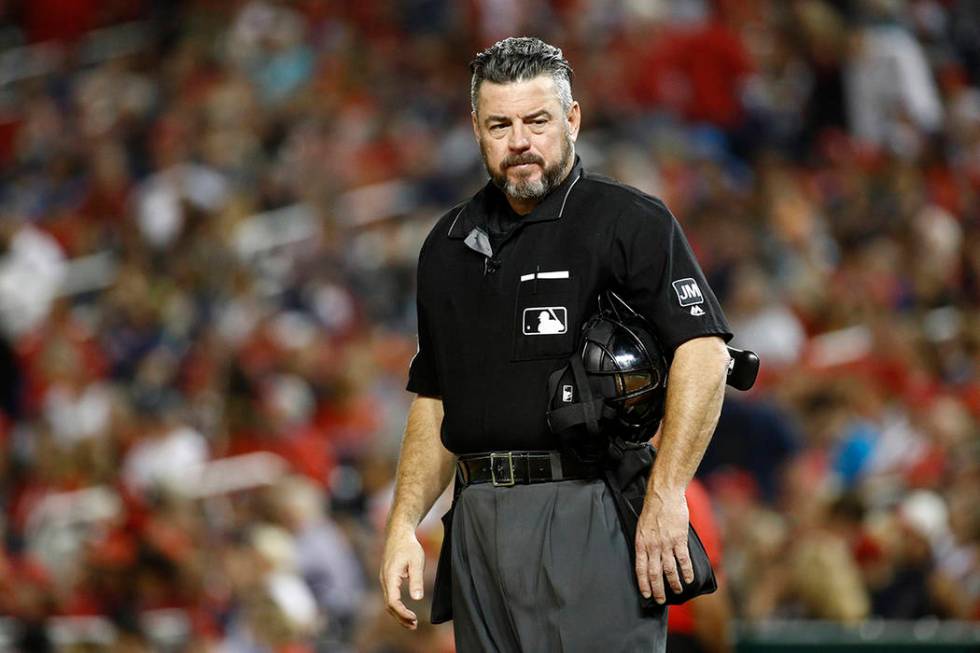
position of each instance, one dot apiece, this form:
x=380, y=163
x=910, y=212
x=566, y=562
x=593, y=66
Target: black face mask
x=615, y=384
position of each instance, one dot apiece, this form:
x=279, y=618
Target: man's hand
x=403, y=558
x=661, y=545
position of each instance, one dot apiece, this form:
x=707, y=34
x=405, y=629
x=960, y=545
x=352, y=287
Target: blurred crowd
x=210, y=213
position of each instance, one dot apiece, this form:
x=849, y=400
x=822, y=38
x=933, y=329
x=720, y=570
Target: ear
x=574, y=118
x=476, y=125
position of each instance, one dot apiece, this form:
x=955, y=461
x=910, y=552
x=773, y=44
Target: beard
x=525, y=188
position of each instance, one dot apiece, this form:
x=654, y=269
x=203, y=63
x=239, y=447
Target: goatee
x=525, y=188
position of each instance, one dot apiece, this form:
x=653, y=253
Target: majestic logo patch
x=545, y=320
x=688, y=292
x=697, y=311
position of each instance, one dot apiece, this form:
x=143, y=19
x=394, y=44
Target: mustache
x=519, y=159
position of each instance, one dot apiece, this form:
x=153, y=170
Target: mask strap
x=585, y=395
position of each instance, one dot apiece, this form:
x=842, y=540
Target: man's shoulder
x=632, y=202
x=447, y=220
x=444, y=225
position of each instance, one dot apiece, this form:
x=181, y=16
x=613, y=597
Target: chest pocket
x=543, y=314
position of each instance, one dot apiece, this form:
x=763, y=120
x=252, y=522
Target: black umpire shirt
x=500, y=304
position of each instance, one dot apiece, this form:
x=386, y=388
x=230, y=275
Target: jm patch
x=545, y=320
x=688, y=292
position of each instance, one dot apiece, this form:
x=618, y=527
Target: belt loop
x=556, y=471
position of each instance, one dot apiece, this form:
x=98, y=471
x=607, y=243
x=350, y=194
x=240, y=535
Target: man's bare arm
x=694, y=397
x=695, y=392
x=425, y=468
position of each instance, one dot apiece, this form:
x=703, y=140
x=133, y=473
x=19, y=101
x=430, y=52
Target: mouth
x=522, y=167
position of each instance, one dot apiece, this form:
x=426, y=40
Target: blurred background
x=210, y=214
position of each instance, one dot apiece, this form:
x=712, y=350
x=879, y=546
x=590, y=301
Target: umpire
x=533, y=558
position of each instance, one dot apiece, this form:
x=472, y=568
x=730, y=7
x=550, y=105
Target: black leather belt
x=506, y=468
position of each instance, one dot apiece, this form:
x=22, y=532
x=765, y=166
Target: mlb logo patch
x=545, y=320
x=567, y=394
x=688, y=292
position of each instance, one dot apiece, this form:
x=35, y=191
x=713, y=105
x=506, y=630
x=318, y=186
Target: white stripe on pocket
x=560, y=274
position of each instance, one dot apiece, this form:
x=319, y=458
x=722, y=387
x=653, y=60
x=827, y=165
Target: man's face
x=525, y=138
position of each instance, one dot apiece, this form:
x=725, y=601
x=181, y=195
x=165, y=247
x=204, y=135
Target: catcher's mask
x=615, y=383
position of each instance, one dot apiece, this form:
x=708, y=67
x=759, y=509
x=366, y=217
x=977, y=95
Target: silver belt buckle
x=506, y=482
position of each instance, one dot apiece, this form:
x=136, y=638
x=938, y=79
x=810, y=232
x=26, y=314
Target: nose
x=518, y=137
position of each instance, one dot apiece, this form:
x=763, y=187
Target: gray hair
x=519, y=59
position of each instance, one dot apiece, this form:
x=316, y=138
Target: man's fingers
x=655, y=574
x=670, y=571
x=405, y=616
x=383, y=583
x=641, y=570
x=393, y=597
x=415, y=577
x=663, y=562
x=684, y=561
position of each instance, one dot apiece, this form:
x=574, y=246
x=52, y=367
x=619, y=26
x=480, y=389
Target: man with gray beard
x=534, y=558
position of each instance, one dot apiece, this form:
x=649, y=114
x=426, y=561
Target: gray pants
x=545, y=568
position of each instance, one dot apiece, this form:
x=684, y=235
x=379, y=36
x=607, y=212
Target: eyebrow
x=525, y=118
x=537, y=114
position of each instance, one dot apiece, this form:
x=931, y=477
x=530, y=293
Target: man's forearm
x=425, y=467
x=694, y=396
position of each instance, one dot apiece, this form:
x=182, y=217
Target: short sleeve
x=660, y=278
x=422, y=374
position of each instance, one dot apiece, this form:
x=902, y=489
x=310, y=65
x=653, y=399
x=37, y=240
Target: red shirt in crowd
x=680, y=618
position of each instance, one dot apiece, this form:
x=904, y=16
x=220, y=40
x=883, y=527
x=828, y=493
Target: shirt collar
x=473, y=213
